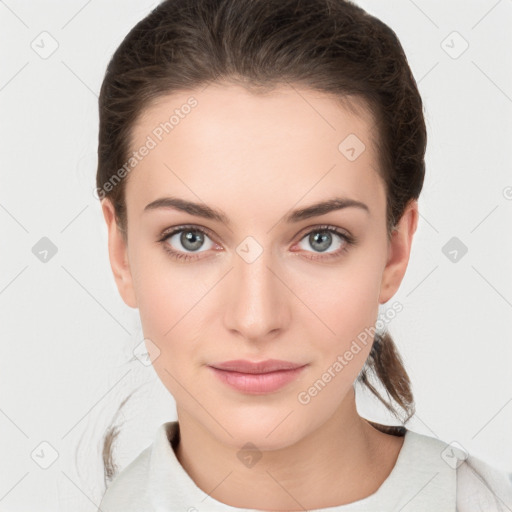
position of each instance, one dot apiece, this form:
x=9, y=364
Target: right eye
x=190, y=238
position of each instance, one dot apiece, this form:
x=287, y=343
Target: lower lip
x=257, y=383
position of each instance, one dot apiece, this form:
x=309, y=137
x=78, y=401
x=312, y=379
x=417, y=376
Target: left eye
x=322, y=239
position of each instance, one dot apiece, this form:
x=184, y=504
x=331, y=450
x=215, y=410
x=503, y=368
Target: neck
x=342, y=461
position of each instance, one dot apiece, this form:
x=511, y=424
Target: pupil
x=325, y=240
x=191, y=240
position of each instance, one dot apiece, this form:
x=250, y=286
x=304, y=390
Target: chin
x=265, y=434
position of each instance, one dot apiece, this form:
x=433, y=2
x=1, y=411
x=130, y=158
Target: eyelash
x=348, y=239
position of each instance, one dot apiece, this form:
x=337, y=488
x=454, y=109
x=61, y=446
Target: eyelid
x=319, y=227
x=193, y=227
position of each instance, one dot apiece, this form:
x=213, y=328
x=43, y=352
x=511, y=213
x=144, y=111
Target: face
x=262, y=280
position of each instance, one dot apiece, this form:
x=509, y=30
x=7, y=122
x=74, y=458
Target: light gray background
x=67, y=337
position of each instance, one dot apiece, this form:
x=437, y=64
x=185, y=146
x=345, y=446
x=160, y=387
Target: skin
x=256, y=158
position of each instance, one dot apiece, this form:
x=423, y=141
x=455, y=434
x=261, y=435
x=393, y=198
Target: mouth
x=257, y=377
x=267, y=366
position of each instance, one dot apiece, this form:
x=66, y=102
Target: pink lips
x=257, y=377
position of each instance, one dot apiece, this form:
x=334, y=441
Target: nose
x=256, y=301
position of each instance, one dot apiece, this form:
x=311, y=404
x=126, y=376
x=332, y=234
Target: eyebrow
x=202, y=210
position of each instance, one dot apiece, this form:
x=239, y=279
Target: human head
x=331, y=47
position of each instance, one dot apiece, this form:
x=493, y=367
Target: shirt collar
x=171, y=487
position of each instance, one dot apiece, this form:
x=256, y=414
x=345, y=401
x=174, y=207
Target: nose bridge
x=256, y=305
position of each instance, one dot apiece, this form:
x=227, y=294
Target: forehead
x=227, y=145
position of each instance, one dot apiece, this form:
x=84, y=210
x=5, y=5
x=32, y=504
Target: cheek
x=344, y=308
x=169, y=308
x=348, y=311
x=166, y=292
x=171, y=301
x=343, y=300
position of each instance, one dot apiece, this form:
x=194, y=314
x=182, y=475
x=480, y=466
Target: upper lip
x=244, y=366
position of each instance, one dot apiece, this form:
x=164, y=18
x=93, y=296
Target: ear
x=399, y=249
x=118, y=255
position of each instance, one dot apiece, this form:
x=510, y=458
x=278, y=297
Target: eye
x=321, y=239
x=184, y=242
x=185, y=239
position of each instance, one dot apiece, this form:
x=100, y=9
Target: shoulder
x=482, y=487
x=135, y=487
x=127, y=492
x=473, y=484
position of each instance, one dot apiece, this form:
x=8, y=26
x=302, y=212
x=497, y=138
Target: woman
x=260, y=164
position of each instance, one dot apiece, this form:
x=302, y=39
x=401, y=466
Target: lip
x=257, y=377
x=245, y=366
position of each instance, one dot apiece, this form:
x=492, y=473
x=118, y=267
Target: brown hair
x=331, y=46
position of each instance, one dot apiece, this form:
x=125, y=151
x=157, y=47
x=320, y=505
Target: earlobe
x=118, y=255
x=399, y=251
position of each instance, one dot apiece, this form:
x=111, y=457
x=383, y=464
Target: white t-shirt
x=429, y=476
